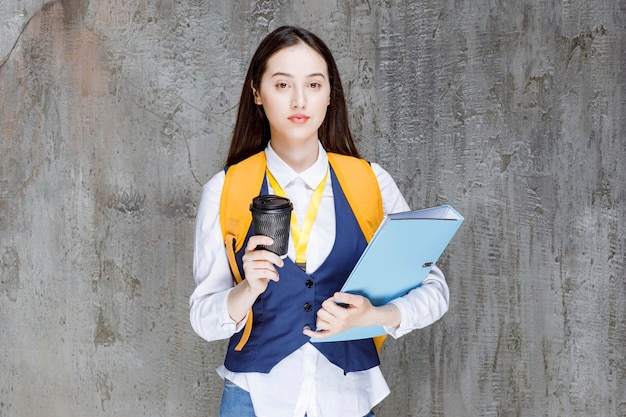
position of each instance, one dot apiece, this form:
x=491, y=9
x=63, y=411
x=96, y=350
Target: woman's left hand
x=333, y=318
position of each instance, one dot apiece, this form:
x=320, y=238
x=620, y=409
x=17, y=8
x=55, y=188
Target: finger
x=254, y=255
x=262, y=275
x=318, y=332
x=325, y=316
x=257, y=240
x=347, y=298
x=260, y=269
x=331, y=306
x=315, y=334
x=324, y=325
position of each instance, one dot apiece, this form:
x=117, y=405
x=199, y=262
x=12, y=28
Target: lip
x=299, y=118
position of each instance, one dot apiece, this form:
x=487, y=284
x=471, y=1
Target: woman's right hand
x=259, y=269
x=259, y=265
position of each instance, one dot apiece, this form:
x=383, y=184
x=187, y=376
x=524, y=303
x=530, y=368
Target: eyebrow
x=284, y=74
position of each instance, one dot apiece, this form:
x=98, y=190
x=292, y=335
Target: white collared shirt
x=305, y=381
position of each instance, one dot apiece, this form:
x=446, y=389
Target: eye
x=281, y=85
x=315, y=85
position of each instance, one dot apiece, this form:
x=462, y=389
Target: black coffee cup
x=271, y=216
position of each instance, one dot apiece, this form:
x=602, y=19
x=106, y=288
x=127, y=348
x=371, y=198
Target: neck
x=298, y=156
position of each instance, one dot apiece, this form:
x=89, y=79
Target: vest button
x=309, y=283
x=308, y=307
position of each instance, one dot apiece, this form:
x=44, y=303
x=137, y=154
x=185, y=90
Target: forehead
x=297, y=60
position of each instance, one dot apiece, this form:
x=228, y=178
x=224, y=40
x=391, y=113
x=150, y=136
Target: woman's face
x=295, y=93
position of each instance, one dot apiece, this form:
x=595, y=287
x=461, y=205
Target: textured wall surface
x=114, y=113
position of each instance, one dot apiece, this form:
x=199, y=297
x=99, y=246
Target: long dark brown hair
x=252, y=130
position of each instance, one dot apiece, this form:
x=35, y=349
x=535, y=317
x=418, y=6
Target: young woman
x=292, y=117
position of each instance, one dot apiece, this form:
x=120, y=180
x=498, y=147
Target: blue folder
x=398, y=259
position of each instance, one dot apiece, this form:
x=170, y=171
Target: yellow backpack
x=243, y=182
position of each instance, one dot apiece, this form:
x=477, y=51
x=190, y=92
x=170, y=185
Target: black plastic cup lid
x=271, y=203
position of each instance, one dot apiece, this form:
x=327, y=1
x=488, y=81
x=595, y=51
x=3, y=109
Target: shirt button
x=308, y=307
x=309, y=283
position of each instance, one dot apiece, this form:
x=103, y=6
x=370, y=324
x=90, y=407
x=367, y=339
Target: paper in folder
x=398, y=259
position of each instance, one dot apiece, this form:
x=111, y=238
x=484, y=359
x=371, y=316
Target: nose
x=298, y=100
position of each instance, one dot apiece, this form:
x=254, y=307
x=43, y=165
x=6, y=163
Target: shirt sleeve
x=208, y=303
x=426, y=304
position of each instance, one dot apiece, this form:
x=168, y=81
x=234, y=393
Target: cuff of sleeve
x=224, y=318
x=403, y=328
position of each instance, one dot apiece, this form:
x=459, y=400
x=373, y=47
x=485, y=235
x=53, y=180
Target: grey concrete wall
x=114, y=113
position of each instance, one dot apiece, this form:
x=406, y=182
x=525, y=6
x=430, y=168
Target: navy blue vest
x=281, y=312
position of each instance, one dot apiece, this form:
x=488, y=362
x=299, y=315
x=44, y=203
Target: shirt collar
x=284, y=174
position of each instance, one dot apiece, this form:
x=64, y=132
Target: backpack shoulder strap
x=241, y=184
x=360, y=186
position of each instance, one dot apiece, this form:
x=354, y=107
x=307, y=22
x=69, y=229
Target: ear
x=255, y=93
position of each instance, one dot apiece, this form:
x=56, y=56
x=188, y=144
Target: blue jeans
x=236, y=402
